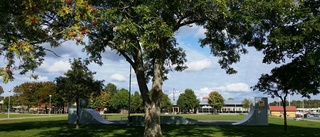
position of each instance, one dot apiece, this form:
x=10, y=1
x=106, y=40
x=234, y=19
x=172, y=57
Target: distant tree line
x=299, y=103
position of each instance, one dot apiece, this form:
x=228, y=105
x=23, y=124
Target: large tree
x=34, y=93
x=188, y=100
x=215, y=100
x=292, y=39
x=78, y=83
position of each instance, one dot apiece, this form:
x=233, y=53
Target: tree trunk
x=77, y=115
x=284, y=104
x=285, y=113
x=152, y=121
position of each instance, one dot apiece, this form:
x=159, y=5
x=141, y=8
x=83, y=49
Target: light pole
x=129, y=95
x=9, y=106
x=50, y=106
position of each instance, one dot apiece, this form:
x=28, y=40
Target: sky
x=203, y=75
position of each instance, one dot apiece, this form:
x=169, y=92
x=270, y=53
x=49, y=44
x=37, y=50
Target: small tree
x=165, y=102
x=78, y=83
x=246, y=103
x=188, y=100
x=110, y=88
x=215, y=100
x=100, y=101
x=119, y=100
x=136, y=102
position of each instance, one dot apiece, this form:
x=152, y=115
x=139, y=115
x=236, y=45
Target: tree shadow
x=60, y=128
x=240, y=131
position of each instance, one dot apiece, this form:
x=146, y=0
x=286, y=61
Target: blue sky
x=202, y=76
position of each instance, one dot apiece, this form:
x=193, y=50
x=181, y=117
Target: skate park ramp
x=86, y=116
x=259, y=114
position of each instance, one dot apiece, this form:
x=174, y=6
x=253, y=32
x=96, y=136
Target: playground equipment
x=259, y=114
x=86, y=116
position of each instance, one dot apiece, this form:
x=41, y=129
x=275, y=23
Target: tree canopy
x=216, y=100
x=110, y=88
x=120, y=99
x=165, y=102
x=247, y=103
x=34, y=93
x=188, y=100
x=136, y=102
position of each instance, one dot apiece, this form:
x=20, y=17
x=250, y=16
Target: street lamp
x=50, y=105
x=129, y=95
x=9, y=106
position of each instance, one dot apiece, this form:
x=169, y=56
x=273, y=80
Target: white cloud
x=199, y=65
x=233, y=90
x=234, y=87
x=200, y=32
x=56, y=67
x=118, y=77
x=42, y=78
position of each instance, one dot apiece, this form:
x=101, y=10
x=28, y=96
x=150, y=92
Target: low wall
x=165, y=120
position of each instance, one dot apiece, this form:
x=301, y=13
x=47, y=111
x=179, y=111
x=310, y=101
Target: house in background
x=278, y=111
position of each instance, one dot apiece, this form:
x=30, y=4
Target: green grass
x=16, y=115
x=58, y=127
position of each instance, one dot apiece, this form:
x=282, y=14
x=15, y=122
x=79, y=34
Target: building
x=278, y=111
x=230, y=106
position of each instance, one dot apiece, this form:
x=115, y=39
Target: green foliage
x=188, y=100
x=165, y=102
x=35, y=93
x=247, y=103
x=143, y=32
x=78, y=83
x=120, y=99
x=216, y=100
x=100, y=101
x=136, y=102
x=110, y=88
x=1, y=90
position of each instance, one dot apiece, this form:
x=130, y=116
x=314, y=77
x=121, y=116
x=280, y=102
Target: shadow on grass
x=60, y=128
x=271, y=130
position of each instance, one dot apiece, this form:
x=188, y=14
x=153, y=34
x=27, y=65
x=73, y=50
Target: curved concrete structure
x=259, y=114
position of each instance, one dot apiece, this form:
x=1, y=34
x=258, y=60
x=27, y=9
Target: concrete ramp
x=246, y=119
x=91, y=116
x=259, y=114
x=87, y=116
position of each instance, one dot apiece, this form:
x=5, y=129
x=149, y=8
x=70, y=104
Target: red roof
x=205, y=98
x=280, y=108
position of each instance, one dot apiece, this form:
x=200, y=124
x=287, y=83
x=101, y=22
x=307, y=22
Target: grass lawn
x=17, y=115
x=58, y=127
